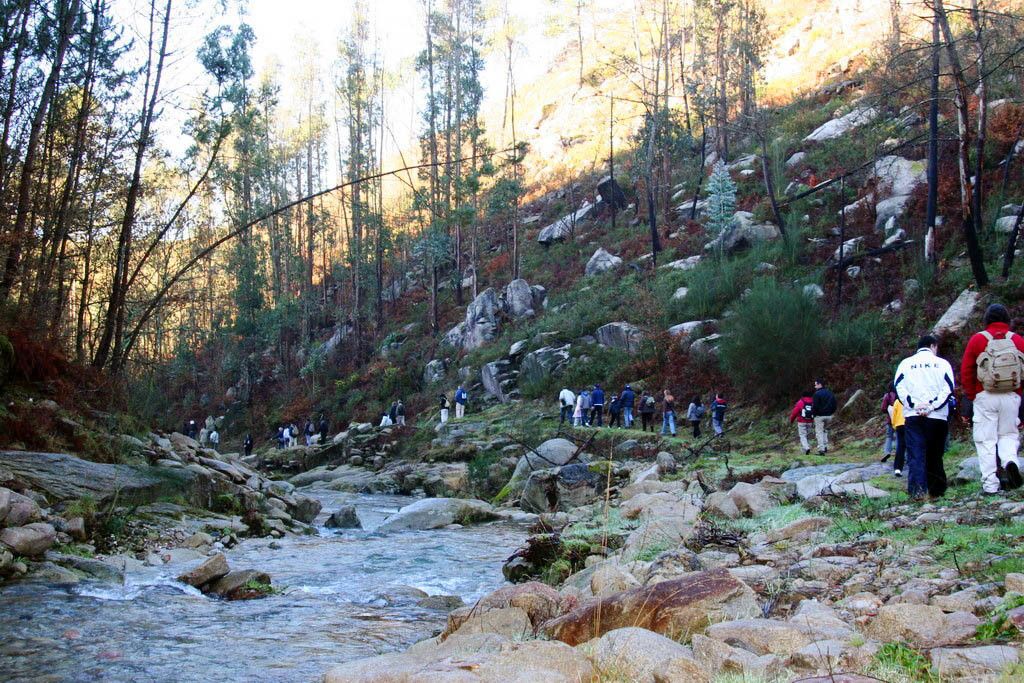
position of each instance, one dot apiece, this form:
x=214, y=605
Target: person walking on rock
x=323, y=429
x=577, y=415
x=293, y=436
x=393, y=412
x=626, y=400
x=889, y=447
x=400, y=414
x=615, y=413
x=924, y=385
x=991, y=371
x=718, y=408
x=214, y=439
x=668, y=413
x=597, y=406
x=461, y=399
x=247, y=445
x=310, y=432
x=647, y=407
x=566, y=404
x=898, y=423
x=694, y=414
x=281, y=438
x=803, y=415
x=444, y=404
x=824, y=406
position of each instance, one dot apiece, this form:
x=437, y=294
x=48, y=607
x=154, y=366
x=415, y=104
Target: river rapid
x=345, y=595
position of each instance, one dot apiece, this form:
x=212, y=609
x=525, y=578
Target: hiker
x=400, y=414
x=615, y=413
x=566, y=404
x=310, y=432
x=694, y=414
x=214, y=439
x=577, y=415
x=824, y=406
x=597, y=406
x=293, y=436
x=647, y=407
x=461, y=397
x=393, y=412
x=281, y=438
x=323, y=429
x=718, y=408
x=668, y=413
x=626, y=400
x=204, y=436
x=190, y=429
x=924, y=383
x=444, y=404
x=803, y=415
x=991, y=376
x=247, y=445
x=587, y=405
x=889, y=447
x=385, y=420
x=898, y=423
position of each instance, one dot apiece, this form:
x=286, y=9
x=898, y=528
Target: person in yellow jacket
x=898, y=423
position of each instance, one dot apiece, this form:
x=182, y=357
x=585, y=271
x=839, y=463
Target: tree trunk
x=933, y=147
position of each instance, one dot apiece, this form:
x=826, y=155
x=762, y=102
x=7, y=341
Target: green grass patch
x=906, y=663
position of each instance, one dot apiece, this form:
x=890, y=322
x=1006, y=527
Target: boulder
x=984, y=663
x=305, y=509
x=208, y=571
x=434, y=371
x=849, y=248
x=611, y=194
x=688, y=331
x=1005, y=224
x=30, y=540
x=684, y=264
x=547, y=361
x=551, y=453
x=813, y=291
x=714, y=655
x=520, y=300
x=620, y=335
x=721, y=504
x=960, y=312
x=680, y=293
x=889, y=210
x=344, y=517
x=744, y=234
x=921, y=625
x=539, y=601
x=232, y=586
x=796, y=159
x=434, y=513
x=896, y=176
x=560, y=489
x=480, y=324
x=198, y=540
x=760, y=636
x=842, y=125
x=17, y=510
x=636, y=654
x=602, y=262
x=494, y=376
x=676, y=608
x=565, y=226
x=706, y=348
x=5, y=503
x=752, y=500
x=511, y=622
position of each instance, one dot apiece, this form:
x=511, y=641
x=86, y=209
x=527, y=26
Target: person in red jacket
x=803, y=415
x=994, y=405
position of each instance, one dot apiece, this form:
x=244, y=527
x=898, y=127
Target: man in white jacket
x=566, y=401
x=924, y=384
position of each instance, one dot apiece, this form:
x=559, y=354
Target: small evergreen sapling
x=721, y=200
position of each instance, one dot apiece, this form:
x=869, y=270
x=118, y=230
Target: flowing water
x=345, y=595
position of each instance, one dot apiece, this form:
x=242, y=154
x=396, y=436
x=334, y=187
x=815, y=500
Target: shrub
x=862, y=336
x=773, y=343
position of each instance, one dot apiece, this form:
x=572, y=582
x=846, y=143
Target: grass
x=773, y=519
x=260, y=587
x=998, y=626
x=900, y=662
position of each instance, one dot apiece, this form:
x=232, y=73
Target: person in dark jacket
x=393, y=412
x=626, y=400
x=400, y=413
x=718, y=408
x=668, y=413
x=615, y=413
x=803, y=415
x=323, y=429
x=694, y=414
x=824, y=405
x=597, y=406
x=247, y=445
x=647, y=407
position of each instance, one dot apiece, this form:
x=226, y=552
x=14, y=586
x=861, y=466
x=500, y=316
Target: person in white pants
x=991, y=374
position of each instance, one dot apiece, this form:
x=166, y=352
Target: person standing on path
x=577, y=415
x=566, y=404
x=647, y=408
x=247, y=445
x=400, y=413
x=444, y=404
x=718, y=408
x=597, y=406
x=626, y=400
x=323, y=429
x=924, y=385
x=668, y=413
x=393, y=412
x=991, y=375
x=461, y=398
x=694, y=414
x=803, y=415
x=898, y=423
x=615, y=413
x=889, y=447
x=824, y=406
x=214, y=439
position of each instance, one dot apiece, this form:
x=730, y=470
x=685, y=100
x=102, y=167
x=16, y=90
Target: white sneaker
x=897, y=473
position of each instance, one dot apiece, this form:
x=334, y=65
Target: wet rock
x=985, y=663
x=233, y=586
x=208, y=571
x=676, y=608
x=30, y=540
x=198, y=540
x=344, y=517
x=48, y=572
x=602, y=262
x=445, y=603
x=434, y=513
x=305, y=509
x=636, y=654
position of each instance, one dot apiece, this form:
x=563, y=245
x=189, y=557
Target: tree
x=721, y=201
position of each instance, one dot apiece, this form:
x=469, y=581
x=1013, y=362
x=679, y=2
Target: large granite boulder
x=959, y=313
x=565, y=226
x=602, y=262
x=30, y=540
x=620, y=335
x=636, y=654
x=842, y=125
x=520, y=300
x=434, y=513
x=744, y=234
x=560, y=489
x=434, y=371
x=480, y=325
x=547, y=361
x=551, y=453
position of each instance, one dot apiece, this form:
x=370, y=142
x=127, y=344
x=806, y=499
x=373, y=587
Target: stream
x=345, y=595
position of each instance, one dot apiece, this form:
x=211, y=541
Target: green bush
x=862, y=336
x=713, y=285
x=774, y=341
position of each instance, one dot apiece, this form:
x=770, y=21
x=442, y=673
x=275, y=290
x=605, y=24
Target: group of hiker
x=461, y=399
x=815, y=407
x=586, y=408
x=205, y=435
x=395, y=415
x=314, y=431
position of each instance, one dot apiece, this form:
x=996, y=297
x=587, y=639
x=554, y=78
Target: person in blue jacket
x=626, y=401
x=461, y=398
x=597, y=406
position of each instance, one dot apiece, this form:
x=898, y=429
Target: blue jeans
x=668, y=422
x=627, y=416
x=718, y=425
x=890, y=440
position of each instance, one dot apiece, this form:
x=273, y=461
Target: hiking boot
x=807, y=451
x=897, y=473
x=1013, y=478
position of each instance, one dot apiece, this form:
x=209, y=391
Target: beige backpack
x=1000, y=365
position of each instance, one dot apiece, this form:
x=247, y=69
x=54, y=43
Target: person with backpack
x=615, y=413
x=393, y=412
x=889, y=447
x=293, y=436
x=803, y=415
x=824, y=406
x=310, y=432
x=400, y=413
x=718, y=408
x=626, y=400
x=247, y=445
x=898, y=423
x=323, y=429
x=281, y=438
x=668, y=413
x=694, y=414
x=444, y=404
x=566, y=404
x=461, y=399
x=924, y=385
x=647, y=407
x=214, y=439
x=991, y=371
x=587, y=405
x=597, y=406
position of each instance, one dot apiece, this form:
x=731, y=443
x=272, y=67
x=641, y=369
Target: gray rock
x=620, y=335
x=480, y=325
x=30, y=540
x=688, y=331
x=969, y=471
x=666, y=463
x=842, y=125
x=434, y=513
x=960, y=312
x=434, y=371
x=889, y=210
x=796, y=159
x=814, y=291
x=602, y=262
x=706, y=348
x=344, y=517
x=565, y=226
x=305, y=509
x=684, y=264
x=851, y=247
x=680, y=293
x=984, y=663
x=896, y=176
x=233, y=585
x=17, y=510
x=547, y=361
x=1005, y=224
x=211, y=569
x=743, y=234
x=551, y=453
x=520, y=300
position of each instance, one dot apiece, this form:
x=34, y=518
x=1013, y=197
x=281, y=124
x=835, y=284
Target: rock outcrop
x=434, y=513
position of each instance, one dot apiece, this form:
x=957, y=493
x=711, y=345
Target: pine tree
x=721, y=200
